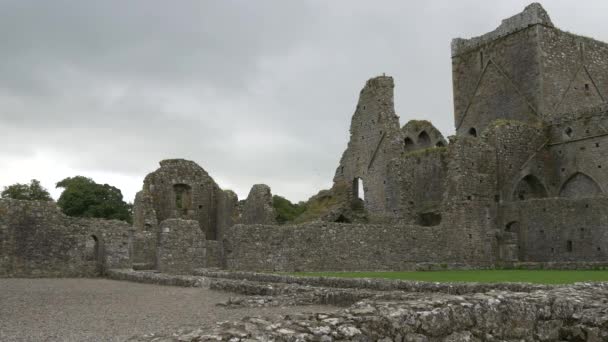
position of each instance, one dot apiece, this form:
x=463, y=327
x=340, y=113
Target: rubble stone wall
x=181, y=247
x=38, y=240
x=321, y=246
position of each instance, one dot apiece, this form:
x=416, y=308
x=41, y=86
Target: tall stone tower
x=526, y=70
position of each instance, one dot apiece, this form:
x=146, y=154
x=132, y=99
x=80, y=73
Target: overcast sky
x=253, y=91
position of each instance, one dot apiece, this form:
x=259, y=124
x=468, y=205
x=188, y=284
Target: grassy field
x=482, y=276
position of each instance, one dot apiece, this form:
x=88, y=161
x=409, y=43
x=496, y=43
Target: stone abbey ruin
x=522, y=184
x=524, y=180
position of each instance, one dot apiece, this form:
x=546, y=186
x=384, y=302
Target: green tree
x=285, y=210
x=31, y=192
x=82, y=197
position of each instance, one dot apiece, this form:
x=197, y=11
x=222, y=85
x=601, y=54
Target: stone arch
x=580, y=185
x=93, y=252
x=512, y=227
x=424, y=139
x=91, y=248
x=529, y=187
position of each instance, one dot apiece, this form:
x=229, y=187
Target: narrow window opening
x=473, y=132
x=586, y=86
x=358, y=189
x=183, y=198
x=569, y=246
x=568, y=132
x=92, y=248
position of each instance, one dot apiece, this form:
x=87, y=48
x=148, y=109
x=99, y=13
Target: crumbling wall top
x=533, y=14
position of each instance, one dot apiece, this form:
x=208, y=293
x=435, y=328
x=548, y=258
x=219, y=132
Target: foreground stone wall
x=37, y=239
x=492, y=312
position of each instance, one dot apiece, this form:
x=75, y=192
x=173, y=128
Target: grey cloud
x=254, y=91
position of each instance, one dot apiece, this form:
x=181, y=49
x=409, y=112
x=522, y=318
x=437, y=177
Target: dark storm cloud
x=254, y=91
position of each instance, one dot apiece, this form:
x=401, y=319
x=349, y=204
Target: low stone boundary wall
x=373, y=284
x=563, y=265
x=157, y=278
x=569, y=313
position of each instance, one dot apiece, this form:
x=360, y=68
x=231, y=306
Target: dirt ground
x=108, y=310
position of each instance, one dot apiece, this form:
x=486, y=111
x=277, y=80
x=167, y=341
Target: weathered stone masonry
x=523, y=180
x=36, y=239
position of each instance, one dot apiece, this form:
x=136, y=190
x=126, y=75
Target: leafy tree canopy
x=82, y=197
x=285, y=210
x=31, y=192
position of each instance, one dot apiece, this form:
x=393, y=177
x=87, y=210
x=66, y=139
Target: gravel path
x=108, y=310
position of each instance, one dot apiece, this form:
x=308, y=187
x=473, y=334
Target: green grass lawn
x=482, y=276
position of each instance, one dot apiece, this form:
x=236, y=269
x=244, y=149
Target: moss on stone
x=426, y=151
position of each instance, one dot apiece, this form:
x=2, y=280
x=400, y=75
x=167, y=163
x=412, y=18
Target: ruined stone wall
x=421, y=134
x=497, y=80
x=574, y=71
x=579, y=146
x=375, y=139
x=226, y=212
x=179, y=189
x=569, y=313
x=181, y=247
x=521, y=158
x=143, y=247
x=557, y=229
x=470, y=202
x=526, y=70
x=258, y=207
x=419, y=180
x=36, y=239
x=144, y=214
x=214, y=254
x=321, y=246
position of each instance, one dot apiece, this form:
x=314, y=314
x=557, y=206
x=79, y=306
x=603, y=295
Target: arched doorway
x=93, y=253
